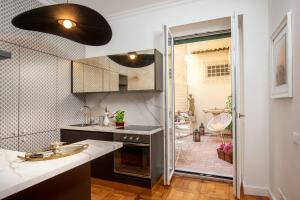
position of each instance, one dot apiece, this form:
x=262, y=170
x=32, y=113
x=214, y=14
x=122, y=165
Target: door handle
x=241, y=115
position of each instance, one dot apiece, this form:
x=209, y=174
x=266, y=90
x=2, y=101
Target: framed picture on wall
x=281, y=60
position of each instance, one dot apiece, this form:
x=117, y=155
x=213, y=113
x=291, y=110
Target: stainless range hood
x=4, y=55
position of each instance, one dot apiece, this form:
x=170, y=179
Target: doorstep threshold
x=204, y=176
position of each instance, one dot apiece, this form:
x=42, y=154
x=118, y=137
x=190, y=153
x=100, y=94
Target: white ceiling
x=112, y=7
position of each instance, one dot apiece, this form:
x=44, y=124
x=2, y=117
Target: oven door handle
x=135, y=144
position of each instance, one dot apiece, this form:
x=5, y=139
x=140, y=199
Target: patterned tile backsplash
x=35, y=84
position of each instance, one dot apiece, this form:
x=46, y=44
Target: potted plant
x=228, y=153
x=225, y=152
x=220, y=150
x=229, y=108
x=119, y=117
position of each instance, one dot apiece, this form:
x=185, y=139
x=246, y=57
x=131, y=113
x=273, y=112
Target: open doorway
x=217, y=125
x=203, y=99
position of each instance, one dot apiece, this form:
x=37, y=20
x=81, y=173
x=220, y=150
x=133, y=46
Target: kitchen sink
x=82, y=125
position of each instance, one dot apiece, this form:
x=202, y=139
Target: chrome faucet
x=86, y=110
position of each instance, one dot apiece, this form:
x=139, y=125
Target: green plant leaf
x=119, y=116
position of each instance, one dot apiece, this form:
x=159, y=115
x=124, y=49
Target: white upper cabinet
x=141, y=78
x=123, y=70
x=77, y=77
x=106, y=80
x=114, y=81
x=134, y=71
x=93, y=79
x=103, y=62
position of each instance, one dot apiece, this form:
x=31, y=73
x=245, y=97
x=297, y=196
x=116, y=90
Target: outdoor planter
x=225, y=152
x=221, y=154
x=228, y=157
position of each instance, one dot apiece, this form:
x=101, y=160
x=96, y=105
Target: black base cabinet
x=70, y=185
x=103, y=167
x=72, y=136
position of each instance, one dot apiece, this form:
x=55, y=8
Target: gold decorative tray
x=54, y=152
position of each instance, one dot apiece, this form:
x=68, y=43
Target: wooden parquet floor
x=182, y=188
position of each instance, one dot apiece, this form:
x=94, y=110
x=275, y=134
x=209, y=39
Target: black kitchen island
x=66, y=178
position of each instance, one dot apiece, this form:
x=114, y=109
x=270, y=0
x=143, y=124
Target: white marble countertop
x=17, y=175
x=110, y=129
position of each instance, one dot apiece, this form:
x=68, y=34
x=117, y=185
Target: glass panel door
x=169, y=107
x=237, y=99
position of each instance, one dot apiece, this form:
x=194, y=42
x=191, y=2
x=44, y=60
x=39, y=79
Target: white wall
x=144, y=30
x=180, y=77
x=208, y=92
x=191, y=76
x=284, y=114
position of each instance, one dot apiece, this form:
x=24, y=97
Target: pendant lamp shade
x=72, y=21
x=137, y=61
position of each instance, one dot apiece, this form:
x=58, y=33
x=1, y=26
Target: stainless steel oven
x=133, y=158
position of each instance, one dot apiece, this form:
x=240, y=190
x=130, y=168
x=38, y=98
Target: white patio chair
x=219, y=123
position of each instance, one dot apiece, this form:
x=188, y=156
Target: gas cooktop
x=140, y=128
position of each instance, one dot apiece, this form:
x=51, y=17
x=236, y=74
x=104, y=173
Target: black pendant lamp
x=133, y=59
x=72, y=21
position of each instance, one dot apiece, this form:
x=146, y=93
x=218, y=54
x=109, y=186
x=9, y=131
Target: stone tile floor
x=202, y=156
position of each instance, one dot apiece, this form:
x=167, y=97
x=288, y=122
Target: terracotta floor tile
x=202, y=156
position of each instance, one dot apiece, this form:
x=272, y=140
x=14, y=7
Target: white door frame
x=168, y=171
x=237, y=71
x=237, y=100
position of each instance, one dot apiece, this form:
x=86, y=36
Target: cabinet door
x=103, y=62
x=11, y=143
x=77, y=70
x=100, y=77
x=9, y=87
x=106, y=80
x=114, y=81
x=32, y=142
x=102, y=167
x=92, y=79
x=38, y=103
x=68, y=105
x=123, y=70
x=141, y=78
x=115, y=67
x=72, y=136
